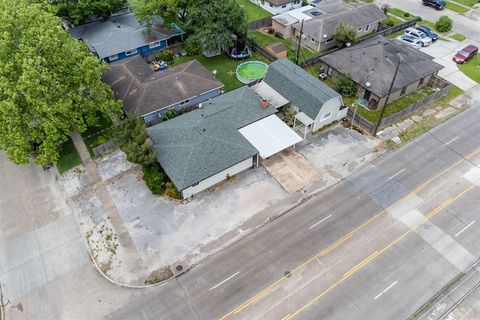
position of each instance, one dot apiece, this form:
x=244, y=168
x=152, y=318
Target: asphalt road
x=377, y=245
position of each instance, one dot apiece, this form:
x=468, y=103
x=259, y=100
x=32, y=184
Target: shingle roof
x=299, y=87
x=277, y=3
x=144, y=91
x=201, y=143
x=121, y=33
x=375, y=59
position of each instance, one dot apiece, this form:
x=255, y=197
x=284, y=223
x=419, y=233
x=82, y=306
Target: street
x=377, y=245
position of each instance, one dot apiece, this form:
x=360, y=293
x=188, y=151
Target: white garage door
x=270, y=135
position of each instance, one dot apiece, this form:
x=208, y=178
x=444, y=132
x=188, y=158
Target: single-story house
x=227, y=135
x=283, y=23
x=123, y=36
x=278, y=6
x=371, y=65
x=324, y=18
x=149, y=94
x=316, y=104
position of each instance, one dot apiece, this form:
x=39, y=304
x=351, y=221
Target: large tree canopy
x=77, y=11
x=50, y=84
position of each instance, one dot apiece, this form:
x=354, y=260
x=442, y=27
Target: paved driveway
x=443, y=51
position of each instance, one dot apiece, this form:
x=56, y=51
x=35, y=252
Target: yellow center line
x=267, y=290
x=376, y=254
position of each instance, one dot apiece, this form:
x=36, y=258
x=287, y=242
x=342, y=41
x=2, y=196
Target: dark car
x=437, y=4
x=465, y=54
x=432, y=35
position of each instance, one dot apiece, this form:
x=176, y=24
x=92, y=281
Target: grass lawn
x=472, y=68
x=395, y=106
x=264, y=40
x=402, y=14
x=224, y=66
x=458, y=37
x=252, y=11
x=69, y=157
x=469, y=3
x=97, y=135
x=392, y=18
x=456, y=7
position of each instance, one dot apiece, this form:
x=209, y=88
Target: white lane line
x=220, y=283
x=468, y=226
x=451, y=140
x=316, y=224
x=396, y=174
x=388, y=288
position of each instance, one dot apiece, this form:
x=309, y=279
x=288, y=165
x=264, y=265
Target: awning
x=270, y=136
x=303, y=118
x=275, y=99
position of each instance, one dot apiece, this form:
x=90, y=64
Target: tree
x=77, y=11
x=170, y=9
x=50, y=84
x=344, y=34
x=131, y=137
x=346, y=86
x=444, y=24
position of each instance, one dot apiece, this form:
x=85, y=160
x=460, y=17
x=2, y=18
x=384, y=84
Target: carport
x=270, y=135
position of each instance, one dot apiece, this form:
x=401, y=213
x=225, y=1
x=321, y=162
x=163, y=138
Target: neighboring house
x=278, y=6
x=317, y=105
x=321, y=19
x=371, y=64
x=123, y=36
x=225, y=136
x=149, y=94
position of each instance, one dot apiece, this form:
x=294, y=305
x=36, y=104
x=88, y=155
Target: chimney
x=264, y=103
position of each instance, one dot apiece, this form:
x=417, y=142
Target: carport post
x=257, y=159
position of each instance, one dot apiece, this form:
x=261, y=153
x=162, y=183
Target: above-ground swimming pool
x=250, y=71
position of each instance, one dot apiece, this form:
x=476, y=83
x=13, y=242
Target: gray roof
x=299, y=87
x=374, y=60
x=329, y=16
x=201, y=143
x=121, y=33
x=144, y=91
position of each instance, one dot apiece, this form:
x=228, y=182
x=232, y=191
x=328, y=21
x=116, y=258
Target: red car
x=465, y=54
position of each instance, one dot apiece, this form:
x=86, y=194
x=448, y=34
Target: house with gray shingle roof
x=149, y=94
x=226, y=136
x=278, y=6
x=371, y=65
x=123, y=36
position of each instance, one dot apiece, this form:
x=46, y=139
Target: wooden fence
x=261, y=23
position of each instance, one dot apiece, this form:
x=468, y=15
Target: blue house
x=123, y=36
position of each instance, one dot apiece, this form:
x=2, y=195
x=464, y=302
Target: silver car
x=419, y=35
x=411, y=41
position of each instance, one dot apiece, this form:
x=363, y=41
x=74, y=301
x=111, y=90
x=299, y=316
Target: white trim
x=131, y=52
x=113, y=57
x=155, y=44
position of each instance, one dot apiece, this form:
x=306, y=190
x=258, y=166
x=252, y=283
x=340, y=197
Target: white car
x=411, y=41
x=419, y=35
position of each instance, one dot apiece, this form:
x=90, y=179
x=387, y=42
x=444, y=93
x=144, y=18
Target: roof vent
x=200, y=105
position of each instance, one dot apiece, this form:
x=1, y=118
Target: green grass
x=469, y=3
x=264, y=40
x=472, y=68
x=402, y=14
x=458, y=37
x=456, y=7
x=97, y=135
x=392, y=18
x=224, y=66
x=69, y=157
x=252, y=11
x=453, y=35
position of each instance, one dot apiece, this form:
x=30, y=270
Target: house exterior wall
x=294, y=4
x=144, y=50
x=331, y=108
x=219, y=177
x=154, y=117
x=280, y=28
x=409, y=89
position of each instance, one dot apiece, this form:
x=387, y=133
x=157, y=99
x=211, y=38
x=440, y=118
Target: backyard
x=252, y=11
x=69, y=157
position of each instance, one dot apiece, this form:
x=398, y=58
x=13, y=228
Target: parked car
x=465, y=54
x=432, y=35
x=437, y=4
x=411, y=41
x=419, y=35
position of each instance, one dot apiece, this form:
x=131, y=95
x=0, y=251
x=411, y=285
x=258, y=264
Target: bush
x=166, y=56
x=346, y=86
x=170, y=114
x=406, y=14
x=444, y=24
x=344, y=34
x=389, y=22
x=172, y=192
x=154, y=178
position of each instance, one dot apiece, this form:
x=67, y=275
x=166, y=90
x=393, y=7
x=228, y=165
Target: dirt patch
x=159, y=275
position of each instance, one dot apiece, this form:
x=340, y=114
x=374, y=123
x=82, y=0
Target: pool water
x=251, y=71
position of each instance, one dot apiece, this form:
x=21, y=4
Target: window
x=184, y=102
x=367, y=27
x=113, y=57
x=421, y=82
x=329, y=40
x=329, y=71
x=130, y=52
x=326, y=116
x=284, y=6
x=403, y=91
x=155, y=44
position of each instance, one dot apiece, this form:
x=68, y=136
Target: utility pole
x=388, y=97
x=299, y=43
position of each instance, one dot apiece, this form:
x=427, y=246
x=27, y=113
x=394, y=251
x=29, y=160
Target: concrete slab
x=445, y=113
x=429, y=112
x=404, y=124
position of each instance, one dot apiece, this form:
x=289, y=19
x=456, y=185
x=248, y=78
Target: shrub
x=389, y=22
x=406, y=14
x=166, y=56
x=344, y=34
x=346, y=86
x=154, y=178
x=170, y=114
x=444, y=24
x=172, y=192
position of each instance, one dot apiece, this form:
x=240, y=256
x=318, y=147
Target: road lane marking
x=427, y=217
x=451, y=140
x=388, y=288
x=316, y=224
x=219, y=284
x=468, y=226
x=396, y=174
x=360, y=265
x=266, y=290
